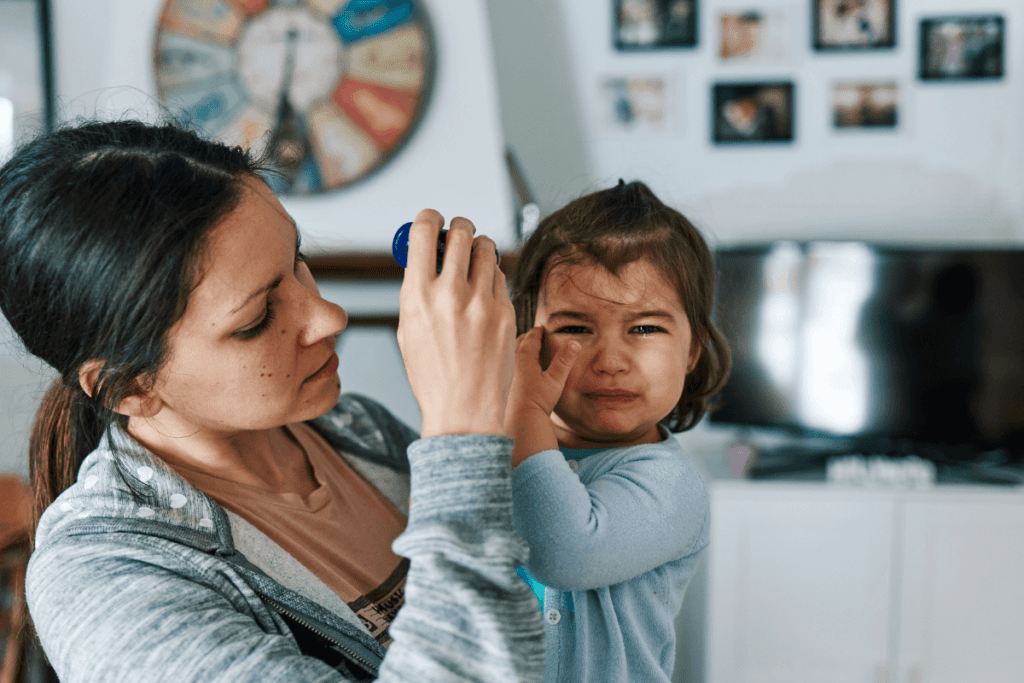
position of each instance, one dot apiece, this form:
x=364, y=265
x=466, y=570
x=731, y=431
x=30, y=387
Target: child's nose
x=610, y=357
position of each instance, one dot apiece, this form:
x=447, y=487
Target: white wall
x=953, y=171
x=541, y=110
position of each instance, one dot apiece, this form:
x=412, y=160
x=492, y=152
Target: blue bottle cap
x=400, y=247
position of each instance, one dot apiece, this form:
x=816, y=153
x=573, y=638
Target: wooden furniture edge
x=378, y=266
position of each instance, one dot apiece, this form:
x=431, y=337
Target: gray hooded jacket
x=139, y=576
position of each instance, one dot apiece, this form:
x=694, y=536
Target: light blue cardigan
x=615, y=542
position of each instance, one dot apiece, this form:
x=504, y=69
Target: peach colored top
x=342, y=531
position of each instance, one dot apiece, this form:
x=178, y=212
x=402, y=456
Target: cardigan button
x=552, y=616
x=573, y=465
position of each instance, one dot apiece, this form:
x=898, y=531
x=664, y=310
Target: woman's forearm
x=467, y=615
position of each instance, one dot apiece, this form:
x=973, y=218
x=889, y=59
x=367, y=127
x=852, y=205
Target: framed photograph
x=636, y=103
x=753, y=112
x=854, y=24
x=655, y=24
x=862, y=105
x=961, y=48
x=26, y=72
x=754, y=36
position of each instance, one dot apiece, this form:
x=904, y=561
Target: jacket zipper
x=284, y=610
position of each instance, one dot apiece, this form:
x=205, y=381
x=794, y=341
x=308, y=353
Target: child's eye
x=567, y=329
x=260, y=327
x=649, y=329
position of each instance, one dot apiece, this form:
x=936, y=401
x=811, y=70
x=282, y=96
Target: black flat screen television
x=884, y=344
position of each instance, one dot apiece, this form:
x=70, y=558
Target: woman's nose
x=324, y=319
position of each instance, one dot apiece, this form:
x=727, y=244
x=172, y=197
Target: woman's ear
x=142, y=403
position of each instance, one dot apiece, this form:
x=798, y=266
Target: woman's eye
x=299, y=258
x=260, y=327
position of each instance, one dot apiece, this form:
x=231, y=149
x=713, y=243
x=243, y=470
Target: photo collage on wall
x=952, y=47
x=637, y=103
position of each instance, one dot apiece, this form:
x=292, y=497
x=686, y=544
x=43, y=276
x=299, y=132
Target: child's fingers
x=563, y=361
x=528, y=343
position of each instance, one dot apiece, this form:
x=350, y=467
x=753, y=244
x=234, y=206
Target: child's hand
x=534, y=388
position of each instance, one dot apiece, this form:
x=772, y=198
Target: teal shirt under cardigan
x=614, y=537
x=160, y=584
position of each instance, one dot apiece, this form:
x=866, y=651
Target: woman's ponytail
x=68, y=426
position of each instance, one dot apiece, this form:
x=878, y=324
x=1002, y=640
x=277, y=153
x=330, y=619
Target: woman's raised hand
x=456, y=330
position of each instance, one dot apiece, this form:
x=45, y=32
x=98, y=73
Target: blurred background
x=857, y=165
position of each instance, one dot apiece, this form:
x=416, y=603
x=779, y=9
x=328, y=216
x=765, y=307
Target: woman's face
x=255, y=347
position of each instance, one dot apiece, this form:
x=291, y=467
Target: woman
x=213, y=510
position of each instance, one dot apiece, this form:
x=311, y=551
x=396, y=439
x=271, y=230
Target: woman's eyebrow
x=275, y=283
x=265, y=288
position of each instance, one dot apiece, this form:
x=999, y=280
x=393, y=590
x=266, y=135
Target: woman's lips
x=326, y=370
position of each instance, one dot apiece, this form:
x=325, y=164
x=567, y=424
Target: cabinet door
x=799, y=584
x=963, y=591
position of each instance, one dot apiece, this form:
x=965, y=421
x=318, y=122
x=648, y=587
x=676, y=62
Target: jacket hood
x=122, y=480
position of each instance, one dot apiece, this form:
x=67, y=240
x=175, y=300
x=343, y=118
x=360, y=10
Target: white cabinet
x=817, y=583
x=961, y=603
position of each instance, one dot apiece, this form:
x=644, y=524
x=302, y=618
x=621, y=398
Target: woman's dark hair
x=102, y=229
x=614, y=228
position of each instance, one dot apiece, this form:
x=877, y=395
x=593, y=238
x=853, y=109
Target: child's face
x=636, y=338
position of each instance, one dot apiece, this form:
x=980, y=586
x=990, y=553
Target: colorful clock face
x=330, y=89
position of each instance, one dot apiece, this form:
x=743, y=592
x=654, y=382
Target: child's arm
x=533, y=395
x=643, y=507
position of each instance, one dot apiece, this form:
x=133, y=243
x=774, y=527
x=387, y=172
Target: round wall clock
x=329, y=89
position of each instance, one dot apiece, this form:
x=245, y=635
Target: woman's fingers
x=482, y=264
x=458, y=247
x=455, y=333
x=499, y=286
x=423, y=234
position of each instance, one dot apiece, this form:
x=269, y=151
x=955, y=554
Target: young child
x=616, y=351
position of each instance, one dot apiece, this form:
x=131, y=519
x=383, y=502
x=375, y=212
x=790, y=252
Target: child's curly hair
x=613, y=228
